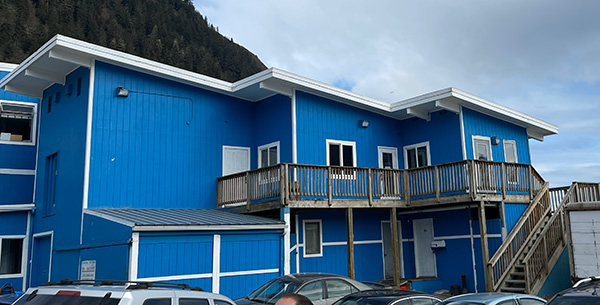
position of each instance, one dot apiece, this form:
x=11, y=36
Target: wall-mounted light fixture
x=122, y=92
x=363, y=123
x=495, y=140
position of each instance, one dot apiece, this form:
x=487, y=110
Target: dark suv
x=584, y=292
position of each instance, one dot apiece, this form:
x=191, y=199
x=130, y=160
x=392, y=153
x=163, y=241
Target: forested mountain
x=168, y=31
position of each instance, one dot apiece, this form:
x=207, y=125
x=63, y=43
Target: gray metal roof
x=183, y=217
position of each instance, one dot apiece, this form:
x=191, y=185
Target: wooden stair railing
x=506, y=257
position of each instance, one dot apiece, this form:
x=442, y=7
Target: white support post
x=216, y=268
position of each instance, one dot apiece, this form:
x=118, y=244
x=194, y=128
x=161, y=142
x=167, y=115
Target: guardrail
x=289, y=182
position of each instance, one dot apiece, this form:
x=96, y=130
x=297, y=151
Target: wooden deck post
x=350, y=241
x=395, y=246
x=531, y=187
x=284, y=184
x=436, y=182
x=370, y=191
x=406, y=186
x=485, y=253
x=504, y=178
x=329, y=186
x=472, y=180
x=247, y=191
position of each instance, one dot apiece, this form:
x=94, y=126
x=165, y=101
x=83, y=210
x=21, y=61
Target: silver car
x=320, y=288
x=494, y=298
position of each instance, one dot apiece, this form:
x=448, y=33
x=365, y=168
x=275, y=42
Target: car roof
x=388, y=293
x=488, y=297
x=583, y=288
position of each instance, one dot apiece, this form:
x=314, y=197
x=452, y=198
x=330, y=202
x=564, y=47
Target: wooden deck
x=313, y=186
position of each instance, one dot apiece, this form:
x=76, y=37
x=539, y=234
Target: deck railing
x=552, y=238
x=337, y=183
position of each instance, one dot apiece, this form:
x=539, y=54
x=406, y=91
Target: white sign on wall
x=88, y=270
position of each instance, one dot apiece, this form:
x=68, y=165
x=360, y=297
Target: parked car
x=119, y=293
x=494, y=298
x=320, y=288
x=584, y=292
x=389, y=297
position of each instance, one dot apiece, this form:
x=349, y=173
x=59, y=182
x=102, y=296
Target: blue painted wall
x=478, y=124
x=62, y=131
x=17, y=189
x=161, y=146
x=513, y=211
x=319, y=119
x=442, y=132
x=273, y=123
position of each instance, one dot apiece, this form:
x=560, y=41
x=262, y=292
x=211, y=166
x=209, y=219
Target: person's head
x=293, y=299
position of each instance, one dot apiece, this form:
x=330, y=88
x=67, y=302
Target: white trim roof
x=7, y=67
x=60, y=55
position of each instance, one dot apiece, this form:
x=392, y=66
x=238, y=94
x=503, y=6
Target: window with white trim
x=17, y=122
x=417, y=155
x=510, y=156
x=313, y=238
x=341, y=153
x=11, y=254
x=268, y=155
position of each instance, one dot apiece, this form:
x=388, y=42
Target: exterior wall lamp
x=495, y=140
x=363, y=123
x=122, y=92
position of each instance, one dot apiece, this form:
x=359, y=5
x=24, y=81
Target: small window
x=194, y=302
x=313, y=242
x=508, y=302
x=510, y=151
x=17, y=122
x=11, y=252
x=338, y=288
x=341, y=153
x=417, y=155
x=268, y=155
x=51, y=175
x=313, y=291
x=164, y=301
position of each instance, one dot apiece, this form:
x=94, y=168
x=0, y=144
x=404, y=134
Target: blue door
x=40, y=267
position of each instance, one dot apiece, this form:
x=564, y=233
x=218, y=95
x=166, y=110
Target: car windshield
x=273, y=290
x=576, y=300
x=361, y=301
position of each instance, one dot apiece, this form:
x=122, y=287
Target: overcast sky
x=539, y=57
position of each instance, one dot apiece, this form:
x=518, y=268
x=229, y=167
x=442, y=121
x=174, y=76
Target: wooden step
x=512, y=289
x=517, y=283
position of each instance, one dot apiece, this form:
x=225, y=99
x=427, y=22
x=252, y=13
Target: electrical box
x=438, y=244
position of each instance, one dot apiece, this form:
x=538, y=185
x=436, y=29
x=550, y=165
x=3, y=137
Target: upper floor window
x=268, y=155
x=417, y=155
x=510, y=151
x=11, y=253
x=17, y=122
x=341, y=153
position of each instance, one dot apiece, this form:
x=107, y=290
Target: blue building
x=144, y=171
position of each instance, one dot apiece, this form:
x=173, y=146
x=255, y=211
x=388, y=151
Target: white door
x=235, y=159
x=388, y=254
x=424, y=256
x=482, y=148
x=389, y=182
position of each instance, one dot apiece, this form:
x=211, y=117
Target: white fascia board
x=301, y=81
x=7, y=67
x=475, y=100
x=29, y=60
x=110, y=218
x=252, y=79
x=421, y=99
x=17, y=207
x=208, y=228
x=142, y=64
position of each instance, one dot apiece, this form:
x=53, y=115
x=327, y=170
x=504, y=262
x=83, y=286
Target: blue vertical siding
x=319, y=119
x=273, y=123
x=112, y=262
x=242, y=285
x=63, y=131
x=442, y=132
x=13, y=223
x=479, y=124
x=163, y=255
x=250, y=251
x=16, y=189
x=512, y=212
x=161, y=146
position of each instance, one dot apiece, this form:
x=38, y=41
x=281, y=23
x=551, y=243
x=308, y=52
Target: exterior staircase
x=530, y=251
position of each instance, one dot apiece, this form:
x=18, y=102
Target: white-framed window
x=341, y=153
x=313, y=237
x=17, y=122
x=417, y=155
x=510, y=156
x=11, y=256
x=268, y=155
